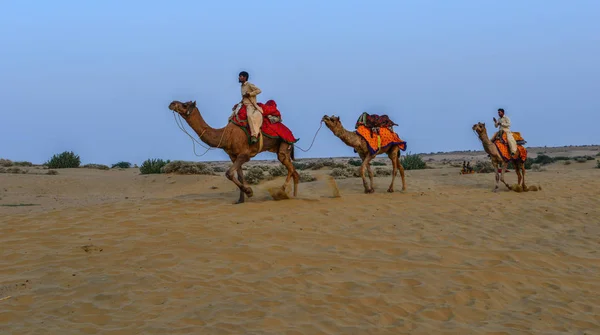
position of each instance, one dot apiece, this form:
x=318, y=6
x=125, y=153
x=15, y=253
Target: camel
x=234, y=141
x=359, y=144
x=497, y=159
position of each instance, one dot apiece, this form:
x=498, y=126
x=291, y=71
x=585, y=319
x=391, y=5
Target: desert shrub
x=219, y=169
x=183, y=167
x=64, y=160
x=254, y=175
x=378, y=164
x=121, y=165
x=278, y=171
x=413, y=162
x=543, y=160
x=567, y=163
x=152, y=166
x=5, y=162
x=299, y=166
x=538, y=168
x=355, y=162
x=342, y=173
x=528, y=164
x=14, y=170
x=95, y=166
x=581, y=159
x=598, y=154
x=316, y=165
x=483, y=167
x=306, y=177
x=382, y=172
x=562, y=158
x=52, y=172
x=23, y=164
x=598, y=164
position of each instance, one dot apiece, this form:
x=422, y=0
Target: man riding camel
x=255, y=117
x=504, y=124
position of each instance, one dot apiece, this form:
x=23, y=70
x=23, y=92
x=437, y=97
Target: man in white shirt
x=504, y=124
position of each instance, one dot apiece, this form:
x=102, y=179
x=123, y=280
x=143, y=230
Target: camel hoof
x=390, y=190
x=238, y=202
x=369, y=191
x=249, y=192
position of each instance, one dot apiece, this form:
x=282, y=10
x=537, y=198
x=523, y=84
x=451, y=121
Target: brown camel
x=359, y=144
x=497, y=159
x=234, y=141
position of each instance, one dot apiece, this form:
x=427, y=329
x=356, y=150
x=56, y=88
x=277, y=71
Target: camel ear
x=194, y=103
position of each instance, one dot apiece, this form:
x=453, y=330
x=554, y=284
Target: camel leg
x=523, y=173
x=495, y=164
x=284, y=157
x=240, y=174
x=371, y=175
x=237, y=164
x=393, y=155
x=366, y=162
x=518, y=171
x=504, y=168
x=401, y=169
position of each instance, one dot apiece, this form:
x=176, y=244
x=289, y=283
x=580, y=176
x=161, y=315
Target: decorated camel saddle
x=501, y=143
x=272, y=126
x=378, y=131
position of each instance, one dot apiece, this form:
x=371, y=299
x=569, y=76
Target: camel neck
x=207, y=134
x=346, y=136
x=487, y=144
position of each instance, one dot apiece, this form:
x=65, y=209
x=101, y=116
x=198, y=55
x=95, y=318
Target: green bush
x=152, y=166
x=219, y=169
x=23, y=163
x=121, y=165
x=543, y=160
x=64, y=160
x=378, y=164
x=598, y=164
x=413, y=162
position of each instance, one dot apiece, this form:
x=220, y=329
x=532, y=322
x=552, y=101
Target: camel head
x=332, y=122
x=182, y=108
x=479, y=128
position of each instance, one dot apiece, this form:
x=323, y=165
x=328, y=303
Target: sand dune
x=113, y=252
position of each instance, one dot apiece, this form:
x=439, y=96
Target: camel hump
x=374, y=121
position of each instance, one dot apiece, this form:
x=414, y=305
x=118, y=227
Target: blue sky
x=96, y=77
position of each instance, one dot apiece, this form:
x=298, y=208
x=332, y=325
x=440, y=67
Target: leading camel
x=360, y=145
x=497, y=159
x=234, y=141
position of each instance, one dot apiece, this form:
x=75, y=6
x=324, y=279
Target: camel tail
x=292, y=156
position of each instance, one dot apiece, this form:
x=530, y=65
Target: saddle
x=375, y=122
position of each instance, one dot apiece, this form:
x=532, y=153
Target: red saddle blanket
x=271, y=126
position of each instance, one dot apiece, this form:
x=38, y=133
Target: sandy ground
x=115, y=252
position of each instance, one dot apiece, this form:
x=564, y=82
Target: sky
x=96, y=77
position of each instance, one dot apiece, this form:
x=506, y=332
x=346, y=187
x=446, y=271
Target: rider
x=249, y=93
x=504, y=124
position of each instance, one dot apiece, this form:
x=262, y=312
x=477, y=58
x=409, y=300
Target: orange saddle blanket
x=384, y=139
x=502, y=145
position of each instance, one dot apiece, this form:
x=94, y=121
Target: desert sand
x=115, y=252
